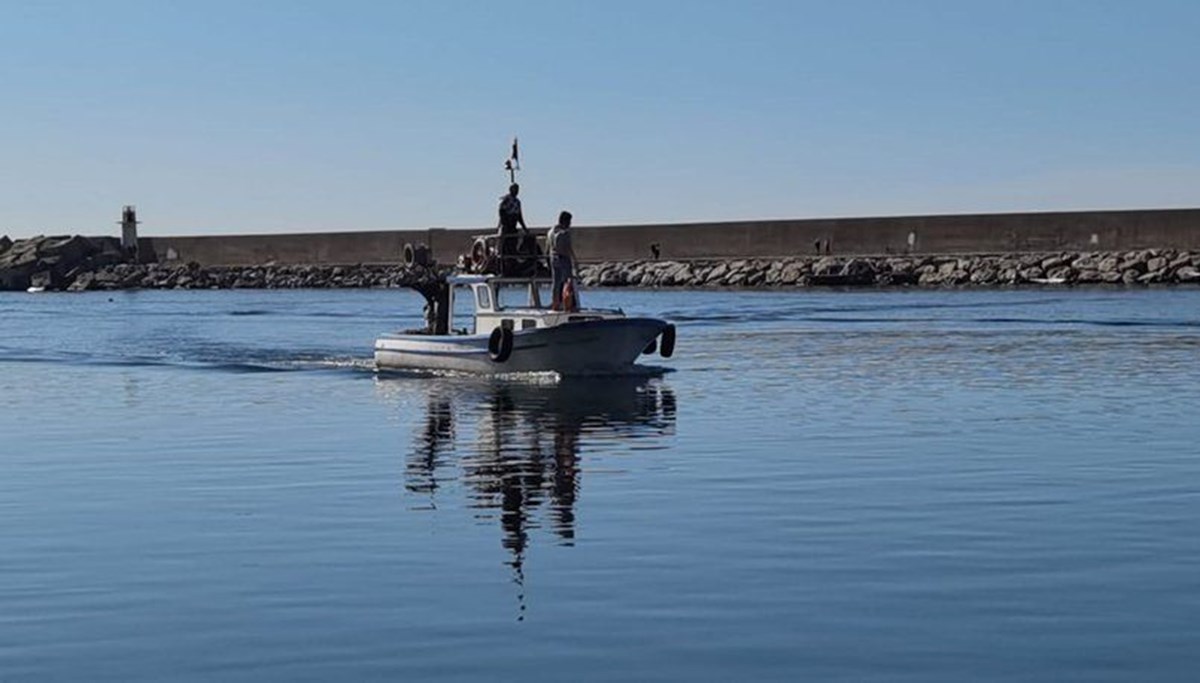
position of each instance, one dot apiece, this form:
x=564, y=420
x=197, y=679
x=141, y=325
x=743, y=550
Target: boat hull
x=580, y=348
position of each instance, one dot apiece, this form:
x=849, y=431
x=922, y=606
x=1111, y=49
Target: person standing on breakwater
x=510, y=217
x=562, y=263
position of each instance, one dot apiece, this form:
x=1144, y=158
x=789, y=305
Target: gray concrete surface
x=944, y=234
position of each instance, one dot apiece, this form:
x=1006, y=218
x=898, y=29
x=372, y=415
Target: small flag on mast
x=515, y=158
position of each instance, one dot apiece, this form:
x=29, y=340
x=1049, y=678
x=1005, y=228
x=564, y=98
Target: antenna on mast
x=513, y=163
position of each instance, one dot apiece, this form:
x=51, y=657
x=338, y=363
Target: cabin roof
x=467, y=279
x=495, y=279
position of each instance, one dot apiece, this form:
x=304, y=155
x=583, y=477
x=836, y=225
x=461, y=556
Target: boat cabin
x=513, y=303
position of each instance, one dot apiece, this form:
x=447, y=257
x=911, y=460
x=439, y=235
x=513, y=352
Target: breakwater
x=1139, y=268
x=80, y=264
x=1145, y=267
x=1012, y=233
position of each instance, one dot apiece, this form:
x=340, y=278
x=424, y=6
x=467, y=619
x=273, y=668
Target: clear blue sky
x=266, y=116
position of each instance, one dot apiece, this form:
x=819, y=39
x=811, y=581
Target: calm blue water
x=925, y=486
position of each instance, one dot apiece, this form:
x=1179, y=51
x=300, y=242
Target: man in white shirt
x=562, y=259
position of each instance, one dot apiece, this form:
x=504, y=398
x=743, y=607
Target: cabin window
x=545, y=294
x=506, y=323
x=527, y=323
x=582, y=318
x=507, y=297
x=483, y=297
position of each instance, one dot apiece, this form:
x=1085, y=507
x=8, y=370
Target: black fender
x=500, y=344
x=666, y=346
x=416, y=255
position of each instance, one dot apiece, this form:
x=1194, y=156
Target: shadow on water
x=515, y=447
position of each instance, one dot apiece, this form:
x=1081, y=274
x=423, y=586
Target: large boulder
x=791, y=273
x=1156, y=264
x=18, y=263
x=47, y=279
x=1032, y=273
x=69, y=249
x=985, y=275
x=1188, y=274
x=1063, y=273
x=83, y=282
x=1136, y=264
x=1051, y=262
x=15, y=279
x=930, y=276
x=714, y=276
x=20, y=253
x=828, y=266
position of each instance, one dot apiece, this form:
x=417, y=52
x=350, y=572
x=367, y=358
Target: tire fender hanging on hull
x=500, y=344
x=666, y=345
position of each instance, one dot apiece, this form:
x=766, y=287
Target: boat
x=523, y=338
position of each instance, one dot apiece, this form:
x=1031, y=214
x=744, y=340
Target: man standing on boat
x=510, y=217
x=562, y=262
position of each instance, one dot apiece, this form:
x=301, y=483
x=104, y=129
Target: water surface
x=889, y=485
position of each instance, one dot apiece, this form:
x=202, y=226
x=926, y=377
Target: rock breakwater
x=1145, y=267
x=82, y=264
x=55, y=262
x=193, y=276
x=78, y=264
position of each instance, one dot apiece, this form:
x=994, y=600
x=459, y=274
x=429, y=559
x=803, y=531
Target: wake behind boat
x=527, y=337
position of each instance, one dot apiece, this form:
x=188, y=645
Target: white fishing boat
x=526, y=337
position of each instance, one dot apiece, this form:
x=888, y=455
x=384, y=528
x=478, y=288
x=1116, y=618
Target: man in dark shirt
x=510, y=218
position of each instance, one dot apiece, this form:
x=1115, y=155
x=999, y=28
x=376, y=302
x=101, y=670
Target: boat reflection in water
x=514, y=447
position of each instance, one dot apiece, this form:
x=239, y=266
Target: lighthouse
x=129, y=223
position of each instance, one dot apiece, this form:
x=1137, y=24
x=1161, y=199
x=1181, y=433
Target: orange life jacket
x=570, y=300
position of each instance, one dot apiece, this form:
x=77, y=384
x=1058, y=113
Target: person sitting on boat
x=562, y=261
x=510, y=218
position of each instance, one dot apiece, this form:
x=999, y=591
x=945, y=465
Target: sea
x=859, y=485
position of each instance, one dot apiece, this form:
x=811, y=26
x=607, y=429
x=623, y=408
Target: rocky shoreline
x=79, y=264
x=1145, y=267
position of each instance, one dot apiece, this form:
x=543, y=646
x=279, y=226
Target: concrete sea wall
x=1011, y=233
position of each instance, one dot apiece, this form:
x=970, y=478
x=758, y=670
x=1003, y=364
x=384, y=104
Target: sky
x=218, y=116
